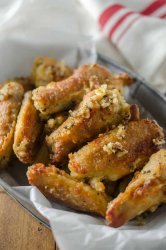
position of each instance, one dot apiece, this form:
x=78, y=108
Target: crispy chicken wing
x=100, y=109
x=11, y=95
x=118, y=152
x=59, y=186
x=58, y=96
x=46, y=70
x=145, y=192
x=27, y=131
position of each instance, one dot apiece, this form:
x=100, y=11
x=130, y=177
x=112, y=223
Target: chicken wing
x=59, y=186
x=11, y=95
x=145, y=192
x=27, y=131
x=100, y=109
x=46, y=70
x=56, y=97
x=118, y=152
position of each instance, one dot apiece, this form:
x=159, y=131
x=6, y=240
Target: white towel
x=138, y=31
x=132, y=32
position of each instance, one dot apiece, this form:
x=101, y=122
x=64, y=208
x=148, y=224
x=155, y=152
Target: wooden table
x=19, y=230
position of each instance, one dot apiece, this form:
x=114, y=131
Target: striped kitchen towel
x=138, y=30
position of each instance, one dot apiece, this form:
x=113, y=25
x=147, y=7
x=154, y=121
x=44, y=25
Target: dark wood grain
x=19, y=230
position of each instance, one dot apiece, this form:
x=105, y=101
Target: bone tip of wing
x=113, y=218
x=135, y=112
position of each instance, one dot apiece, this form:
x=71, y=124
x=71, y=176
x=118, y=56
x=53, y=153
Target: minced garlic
x=115, y=147
x=101, y=98
x=121, y=132
x=97, y=184
x=158, y=141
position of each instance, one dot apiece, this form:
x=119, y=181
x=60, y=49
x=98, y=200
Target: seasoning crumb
x=114, y=148
x=158, y=141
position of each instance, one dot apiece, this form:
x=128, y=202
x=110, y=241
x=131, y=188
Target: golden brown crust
x=118, y=152
x=24, y=81
x=46, y=70
x=59, y=186
x=145, y=192
x=100, y=109
x=27, y=131
x=11, y=95
x=56, y=97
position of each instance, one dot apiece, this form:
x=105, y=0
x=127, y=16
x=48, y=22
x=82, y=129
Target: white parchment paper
x=77, y=231
x=72, y=230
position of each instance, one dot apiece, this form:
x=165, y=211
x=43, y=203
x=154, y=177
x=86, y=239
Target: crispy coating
x=56, y=97
x=118, y=152
x=24, y=81
x=11, y=95
x=27, y=131
x=145, y=192
x=59, y=186
x=46, y=70
x=100, y=109
x=54, y=123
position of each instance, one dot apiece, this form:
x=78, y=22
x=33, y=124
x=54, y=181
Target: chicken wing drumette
x=58, y=96
x=145, y=192
x=100, y=110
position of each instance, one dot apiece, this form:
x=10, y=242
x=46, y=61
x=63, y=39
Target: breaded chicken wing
x=46, y=70
x=145, y=192
x=118, y=152
x=27, y=131
x=100, y=110
x=11, y=95
x=59, y=186
x=58, y=96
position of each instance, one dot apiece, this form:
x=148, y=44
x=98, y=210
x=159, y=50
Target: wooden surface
x=19, y=230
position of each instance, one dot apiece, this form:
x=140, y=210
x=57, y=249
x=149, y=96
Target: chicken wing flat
x=46, y=70
x=118, y=152
x=27, y=131
x=100, y=109
x=11, y=95
x=145, y=192
x=58, y=96
x=59, y=186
